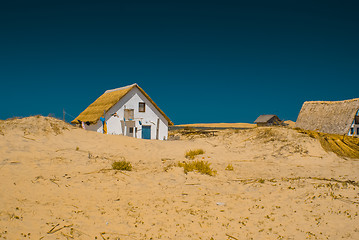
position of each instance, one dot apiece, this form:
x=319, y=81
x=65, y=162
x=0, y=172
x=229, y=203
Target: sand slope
x=289, y=123
x=57, y=183
x=219, y=125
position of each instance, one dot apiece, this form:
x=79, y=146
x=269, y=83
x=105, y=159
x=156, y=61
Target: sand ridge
x=218, y=125
x=57, y=183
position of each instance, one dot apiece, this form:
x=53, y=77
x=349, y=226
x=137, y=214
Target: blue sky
x=200, y=61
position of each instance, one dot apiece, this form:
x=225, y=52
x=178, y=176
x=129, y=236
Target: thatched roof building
x=107, y=100
x=327, y=116
x=125, y=111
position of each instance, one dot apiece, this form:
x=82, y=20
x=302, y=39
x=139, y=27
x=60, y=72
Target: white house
x=354, y=129
x=127, y=111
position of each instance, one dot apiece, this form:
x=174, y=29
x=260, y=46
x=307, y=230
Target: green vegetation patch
x=191, y=154
x=122, y=165
x=203, y=167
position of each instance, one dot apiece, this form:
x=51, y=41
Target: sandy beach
x=57, y=183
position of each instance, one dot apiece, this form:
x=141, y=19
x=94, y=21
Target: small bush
x=203, y=167
x=168, y=167
x=261, y=180
x=122, y=165
x=229, y=167
x=192, y=153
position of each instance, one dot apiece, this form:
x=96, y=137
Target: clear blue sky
x=200, y=61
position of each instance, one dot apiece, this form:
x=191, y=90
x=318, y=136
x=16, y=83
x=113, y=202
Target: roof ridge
x=331, y=102
x=121, y=88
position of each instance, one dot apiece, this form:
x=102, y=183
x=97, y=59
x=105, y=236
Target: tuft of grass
x=56, y=128
x=168, y=167
x=122, y=165
x=229, y=167
x=191, y=154
x=260, y=180
x=202, y=167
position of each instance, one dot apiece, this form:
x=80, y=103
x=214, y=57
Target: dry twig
x=231, y=237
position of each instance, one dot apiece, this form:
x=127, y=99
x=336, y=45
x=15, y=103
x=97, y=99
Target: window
x=131, y=129
x=358, y=131
x=129, y=114
x=351, y=131
x=141, y=107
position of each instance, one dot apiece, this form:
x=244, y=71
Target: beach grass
x=229, y=167
x=122, y=165
x=191, y=154
x=202, y=167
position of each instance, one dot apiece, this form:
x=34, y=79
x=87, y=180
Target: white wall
x=355, y=127
x=94, y=127
x=356, y=130
x=131, y=101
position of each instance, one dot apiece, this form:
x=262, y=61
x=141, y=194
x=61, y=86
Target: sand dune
x=289, y=123
x=57, y=183
x=219, y=125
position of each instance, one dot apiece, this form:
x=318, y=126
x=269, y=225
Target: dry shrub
x=229, y=167
x=191, y=154
x=269, y=134
x=342, y=145
x=203, y=167
x=56, y=128
x=122, y=165
x=166, y=168
x=187, y=128
x=192, y=133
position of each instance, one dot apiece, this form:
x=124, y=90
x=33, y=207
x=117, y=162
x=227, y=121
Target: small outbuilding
x=125, y=111
x=335, y=117
x=268, y=120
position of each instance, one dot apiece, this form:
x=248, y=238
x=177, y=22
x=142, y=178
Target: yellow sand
x=56, y=183
x=290, y=123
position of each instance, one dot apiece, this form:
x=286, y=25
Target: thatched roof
x=107, y=100
x=265, y=118
x=328, y=117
